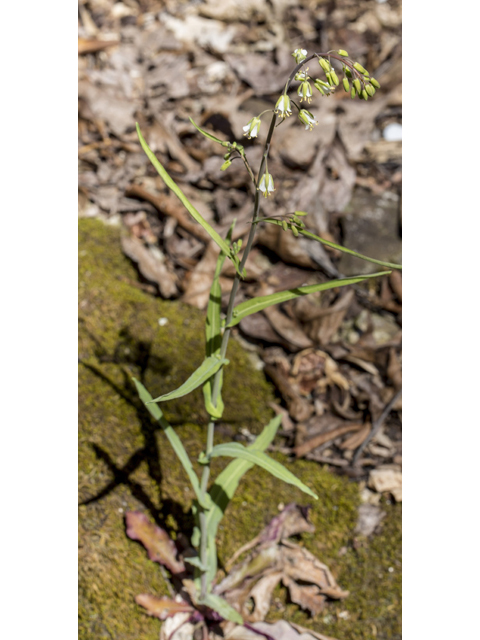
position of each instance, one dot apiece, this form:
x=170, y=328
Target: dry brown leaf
x=162, y=607
x=151, y=266
x=387, y=478
x=322, y=438
x=156, y=541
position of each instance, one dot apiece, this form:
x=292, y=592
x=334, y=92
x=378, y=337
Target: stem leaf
x=333, y=245
x=184, y=200
x=262, y=302
x=174, y=440
x=209, y=135
x=237, y=450
x=208, y=367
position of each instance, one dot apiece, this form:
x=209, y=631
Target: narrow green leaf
x=221, y=606
x=208, y=367
x=228, y=480
x=174, y=440
x=213, y=334
x=262, y=302
x=209, y=135
x=333, y=245
x=237, y=450
x=184, y=200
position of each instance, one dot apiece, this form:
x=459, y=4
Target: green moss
x=125, y=461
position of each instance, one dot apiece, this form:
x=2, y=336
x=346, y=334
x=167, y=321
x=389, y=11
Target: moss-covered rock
x=125, y=461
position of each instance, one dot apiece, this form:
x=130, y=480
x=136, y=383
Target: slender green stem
x=223, y=351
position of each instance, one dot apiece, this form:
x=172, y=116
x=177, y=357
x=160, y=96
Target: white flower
x=283, y=107
x=305, y=91
x=252, y=128
x=299, y=55
x=307, y=118
x=266, y=184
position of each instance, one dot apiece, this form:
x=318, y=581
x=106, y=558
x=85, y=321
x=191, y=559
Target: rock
x=371, y=227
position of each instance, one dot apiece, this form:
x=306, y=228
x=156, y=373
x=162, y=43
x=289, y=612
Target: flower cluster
x=356, y=80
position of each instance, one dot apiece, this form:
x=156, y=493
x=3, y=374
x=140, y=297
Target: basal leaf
x=262, y=302
x=208, y=367
x=174, y=440
x=221, y=606
x=236, y=450
x=184, y=200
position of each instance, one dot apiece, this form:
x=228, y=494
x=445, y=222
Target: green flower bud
x=295, y=231
x=284, y=225
x=239, y=244
x=342, y=52
x=301, y=213
x=346, y=85
x=348, y=73
x=364, y=95
x=375, y=83
x=359, y=67
x=353, y=93
x=357, y=85
x=334, y=77
x=331, y=82
x=370, y=90
x=324, y=64
x=226, y=164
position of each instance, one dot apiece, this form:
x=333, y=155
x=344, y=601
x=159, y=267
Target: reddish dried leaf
x=308, y=597
x=156, y=541
x=162, y=607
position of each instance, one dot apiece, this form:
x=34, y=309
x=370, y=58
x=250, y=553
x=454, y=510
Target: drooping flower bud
x=375, y=83
x=346, y=85
x=358, y=86
x=266, y=184
x=226, y=164
x=294, y=230
x=342, y=52
x=325, y=64
x=284, y=225
x=364, y=95
x=323, y=87
x=334, y=77
x=283, y=107
x=370, y=90
x=359, y=67
x=307, y=118
x=252, y=128
x=353, y=93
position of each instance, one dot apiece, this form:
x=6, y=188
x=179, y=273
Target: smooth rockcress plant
x=211, y=499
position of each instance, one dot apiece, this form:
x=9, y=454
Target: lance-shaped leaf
x=184, y=200
x=209, y=135
x=262, y=302
x=333, y=245
x=213, y=334
x=174, y=440
x=225, y=486
x=221, y=606
x=237, y=450
x=208, y=367
x=156, y=541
